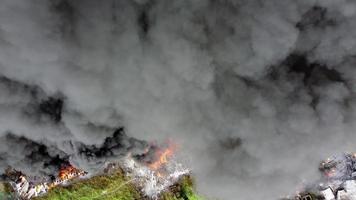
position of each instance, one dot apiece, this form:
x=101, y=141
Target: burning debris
x=153, y=172
x=338, y=180
x=67, y=173
x=26, y=189
x=154, y=176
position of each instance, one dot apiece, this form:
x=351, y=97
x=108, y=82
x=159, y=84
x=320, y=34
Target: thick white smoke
x=256, y=92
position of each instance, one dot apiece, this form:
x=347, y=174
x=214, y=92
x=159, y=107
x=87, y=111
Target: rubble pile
x=152, y=182
x=155, y=173
x=337, y=182
x=151, y=173
x=25, y=189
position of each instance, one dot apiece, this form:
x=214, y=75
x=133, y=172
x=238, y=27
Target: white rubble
x=342, y=195
x=349, y=191
x=151, y=182
x=25, y=190
x=339, y=178
x=341, y=171
x=328, y=194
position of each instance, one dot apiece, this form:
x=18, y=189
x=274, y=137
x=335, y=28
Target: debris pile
x=152, y=182
x=157, y=174
x=25, y=189
x=153, y=172
x=337, y=182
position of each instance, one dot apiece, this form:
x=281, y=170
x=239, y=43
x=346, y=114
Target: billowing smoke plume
x=35, y=140
x=255, y=92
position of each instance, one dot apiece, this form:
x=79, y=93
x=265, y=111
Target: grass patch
x=183, y=190
x=6, y=192
x=116, y=186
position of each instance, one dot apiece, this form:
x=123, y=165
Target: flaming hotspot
x=151, y=177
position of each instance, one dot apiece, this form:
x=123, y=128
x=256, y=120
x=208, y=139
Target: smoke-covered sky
x=255, y=92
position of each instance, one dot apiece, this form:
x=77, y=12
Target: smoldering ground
x=255, y=92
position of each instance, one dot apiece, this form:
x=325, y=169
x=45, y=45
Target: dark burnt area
x=315, y=17
x=52, y=107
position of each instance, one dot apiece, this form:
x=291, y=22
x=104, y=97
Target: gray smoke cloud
x=255, y=92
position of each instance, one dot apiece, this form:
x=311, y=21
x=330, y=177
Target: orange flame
x=69, y=172
x=163, y=155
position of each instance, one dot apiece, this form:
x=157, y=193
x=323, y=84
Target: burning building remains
x=26, y=189
x=158, y=174
x=251, y=89
x=39, y=164
x=337, y=182
x=152, y=172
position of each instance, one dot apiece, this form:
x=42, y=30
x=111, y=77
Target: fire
x=26, y=190
x=151, y=177
x=69, y=172
x=154, y=174
x=162, y=157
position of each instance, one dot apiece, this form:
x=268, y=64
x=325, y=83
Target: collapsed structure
x=338, y=180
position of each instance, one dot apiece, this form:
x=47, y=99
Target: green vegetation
x=183, y=190
x=5, y=191
x=116, y=186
